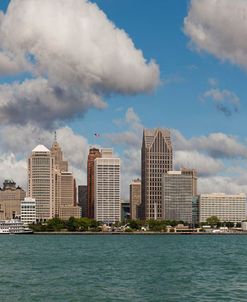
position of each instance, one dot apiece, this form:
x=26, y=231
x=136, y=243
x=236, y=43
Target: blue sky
x=201, y=94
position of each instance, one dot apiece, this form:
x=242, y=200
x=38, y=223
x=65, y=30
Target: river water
x=123, y=268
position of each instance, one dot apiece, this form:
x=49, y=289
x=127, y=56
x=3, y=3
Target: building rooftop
x=40, y=148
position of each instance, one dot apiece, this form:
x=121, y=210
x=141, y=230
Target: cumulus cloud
x=196, y=160
x=69, y=50
x=225, y=101
x=217, y=145
x=219, y=27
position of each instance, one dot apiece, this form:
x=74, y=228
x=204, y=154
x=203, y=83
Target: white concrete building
x=28, y=210
x=41, y=181
x=107, y=187
x=225, y=207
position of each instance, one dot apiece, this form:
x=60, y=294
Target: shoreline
x=136, y=233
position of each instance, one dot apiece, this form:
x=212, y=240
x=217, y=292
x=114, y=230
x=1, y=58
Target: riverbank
x=137, y=233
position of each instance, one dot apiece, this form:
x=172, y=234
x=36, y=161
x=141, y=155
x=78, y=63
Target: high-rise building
x=10, y=200
x=82, y=199
x=56, y=152
x=135, y=198
x=179, y=188
x=67, y=206
x=93, y=154
x=226, y=207
x=107, y=187
x=156, y=160
x=41, y=185
x=50, y=183
x=28, y=210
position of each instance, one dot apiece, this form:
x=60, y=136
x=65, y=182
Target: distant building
x=67, y=207
x=225, y=206
x=195, y=210
x=135, y=198
x=125, y=211
x=41, y=186
x=93, y=154
x=82, y=199
x=28, y=210
x=156, y=160
x=107, y=187
x=10, y=200
x=51, y=184
x=179, y=187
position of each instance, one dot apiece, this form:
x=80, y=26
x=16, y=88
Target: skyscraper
x=179, y=188
x=156, y=160
x=57, y=153
x=41, y=182
x=82, y=199
x=93, y=154
x=107, y=187
x=135, y=198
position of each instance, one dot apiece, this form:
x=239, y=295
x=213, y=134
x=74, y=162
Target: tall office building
x=10, y=200
x=156, y=160
x=227, y=207
x=41, y=184
x=56, y=152
x=82, y=199
x=93, y=154
x=179, y=188
x=50, y=183
x=135, y=198
x=107, y=187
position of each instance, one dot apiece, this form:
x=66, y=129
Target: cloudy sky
x=114, y=67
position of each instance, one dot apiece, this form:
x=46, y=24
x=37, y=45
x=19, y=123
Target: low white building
x=28, y=210
x=225, y=206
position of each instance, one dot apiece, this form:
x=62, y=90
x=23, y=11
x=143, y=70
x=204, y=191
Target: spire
x=55, y=136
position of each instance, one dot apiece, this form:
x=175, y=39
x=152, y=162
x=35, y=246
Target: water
x=123, y=268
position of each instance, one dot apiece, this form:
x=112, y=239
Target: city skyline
x=195, y=87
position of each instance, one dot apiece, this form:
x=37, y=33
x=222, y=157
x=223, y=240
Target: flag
x=97, y=134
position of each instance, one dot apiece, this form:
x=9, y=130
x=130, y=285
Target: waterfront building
x=82, y=199
x=156, y=159
x=67, y=206
x=135, y=198
x=51, y=184
x=125, y=211
x=93, y=154
x=107, y=187
x=56, y=152
x=28, y=210
x=179, y=187
x=41, y=185
x=226, y=207
x=10, y=200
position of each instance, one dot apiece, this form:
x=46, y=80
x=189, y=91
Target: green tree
x=213, y=221
x=73, y=224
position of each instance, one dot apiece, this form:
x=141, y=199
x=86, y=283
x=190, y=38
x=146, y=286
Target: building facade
x=10, y=200
x=226, y=207
x=28, y=210
x=93, y=154
x=178, y=191
x=135, y=198
x=82, y=199
x=156, y=159
x=41, y=185
x=107, y=187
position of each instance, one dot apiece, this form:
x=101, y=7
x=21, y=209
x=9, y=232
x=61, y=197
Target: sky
x=115, y=67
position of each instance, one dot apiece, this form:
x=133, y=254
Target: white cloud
x=217, y=145
x=12, y=168
x=70, y=50
x=220, y=28
x=203, y=164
